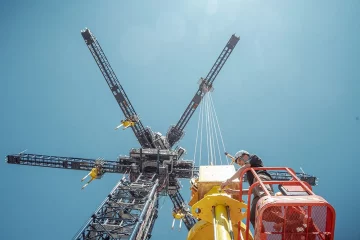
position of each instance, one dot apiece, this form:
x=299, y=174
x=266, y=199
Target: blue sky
x=290, y=93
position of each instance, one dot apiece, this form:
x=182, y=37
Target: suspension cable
x=218, y=127
x=207, y=128
x=216, y=131
x=197, y=134
x=201, y=135
x=212, y=128
x=212, y=138
x=210, y=132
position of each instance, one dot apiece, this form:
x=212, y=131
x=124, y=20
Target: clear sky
x=290, y=93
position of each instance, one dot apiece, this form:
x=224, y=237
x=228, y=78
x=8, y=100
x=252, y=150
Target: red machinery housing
x=294, y=213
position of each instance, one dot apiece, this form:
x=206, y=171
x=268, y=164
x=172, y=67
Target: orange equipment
x=296, y=214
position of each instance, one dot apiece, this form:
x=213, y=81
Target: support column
x=222, y=224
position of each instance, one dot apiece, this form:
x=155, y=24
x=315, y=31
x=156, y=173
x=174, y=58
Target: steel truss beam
x=179, y=203
x=128, y=212
x=144, y=135
x=181, y=168
x=175, y=133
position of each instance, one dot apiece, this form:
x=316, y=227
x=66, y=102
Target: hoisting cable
x=212, y=128
x=207, y=128
x=212, y=138
x=211, y=133
x=215, y=130
x=216, y=135
x=197, y=134
x=216, y=118
x=201, y=135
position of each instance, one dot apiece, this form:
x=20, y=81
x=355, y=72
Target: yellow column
x=222, y=224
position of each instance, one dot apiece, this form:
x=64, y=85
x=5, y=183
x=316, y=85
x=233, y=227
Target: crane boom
x=179, y=203
x=176, y=132
x=143, y=134
x=128, y=212
x=84, y=164
x=181, y=169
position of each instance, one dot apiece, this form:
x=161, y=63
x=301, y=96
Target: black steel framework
x=176, y=132
x=143, y=135
x=130, y=209
x=168, y=165
x=128, y=212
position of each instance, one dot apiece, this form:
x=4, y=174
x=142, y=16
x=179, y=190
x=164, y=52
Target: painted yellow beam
x=222, y=224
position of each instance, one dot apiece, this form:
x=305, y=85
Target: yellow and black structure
x=220, y=214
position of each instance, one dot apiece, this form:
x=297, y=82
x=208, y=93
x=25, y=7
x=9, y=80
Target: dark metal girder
x=181, y=168
x=143, y=134
x=179, y=203
x=84, y=164
x=133, y=217
x=176, y=132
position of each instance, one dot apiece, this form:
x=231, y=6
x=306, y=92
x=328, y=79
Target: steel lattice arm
x=128, y=212
x=182, y=169
x=143, y=135
x=64, y=162
x=176, y=132
x=179, y=203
